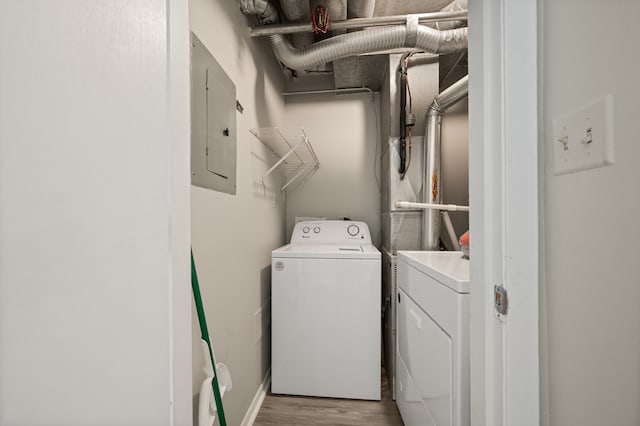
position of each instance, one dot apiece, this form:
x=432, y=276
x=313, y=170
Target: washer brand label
x=279, y=266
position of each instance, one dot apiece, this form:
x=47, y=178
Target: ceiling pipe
x=425, y=206
x=345, y=90
x=431, y=188
x=411, y=35
x=360, y=8
x=263, y=9
x=359, y=23
x=454, y=6
x=373, y=40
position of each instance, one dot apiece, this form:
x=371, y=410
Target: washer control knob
x=305, y=229
x=353, y=230
x=316, y=229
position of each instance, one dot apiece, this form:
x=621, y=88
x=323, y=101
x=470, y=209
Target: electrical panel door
x=213, y=122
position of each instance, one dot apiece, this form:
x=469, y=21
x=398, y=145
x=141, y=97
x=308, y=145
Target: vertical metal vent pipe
x=431, y=193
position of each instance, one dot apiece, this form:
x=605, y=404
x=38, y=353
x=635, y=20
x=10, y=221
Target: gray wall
x=423, y=79
x=344, y=132
x=591, y=357
x=455, y=166
x=348, y=133
x=233, y=235
x=94, y=226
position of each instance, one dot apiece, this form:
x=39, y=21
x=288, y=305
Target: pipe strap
x=411, y=35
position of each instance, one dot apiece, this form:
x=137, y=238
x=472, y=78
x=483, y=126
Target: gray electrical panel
x=213, y=122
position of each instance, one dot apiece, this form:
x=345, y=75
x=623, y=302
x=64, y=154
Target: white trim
x=503, y=196
x=521, y=269
x=178, y=127
x=486, y=214
x=253, y=410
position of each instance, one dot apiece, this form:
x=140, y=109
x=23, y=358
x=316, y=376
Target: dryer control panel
x=331, y=232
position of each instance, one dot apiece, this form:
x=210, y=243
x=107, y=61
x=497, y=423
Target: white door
x=95, y=301
x=503, y=152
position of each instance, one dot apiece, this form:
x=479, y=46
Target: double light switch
x=583, y=139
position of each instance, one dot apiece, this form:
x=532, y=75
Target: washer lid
x=327, y=251
x=446, y=267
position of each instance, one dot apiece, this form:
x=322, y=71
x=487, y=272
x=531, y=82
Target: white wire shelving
x=296, y=157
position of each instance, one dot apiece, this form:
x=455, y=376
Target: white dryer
x=432, y=362
x=325, y=316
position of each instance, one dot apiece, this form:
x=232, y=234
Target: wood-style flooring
x=286, y=410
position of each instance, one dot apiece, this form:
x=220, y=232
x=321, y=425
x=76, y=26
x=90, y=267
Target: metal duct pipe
x=451, y=95
x=356, y=23
x=373, y=40
x=454, y=6
x=431, y=193
x=263, y=9
x=360, y=8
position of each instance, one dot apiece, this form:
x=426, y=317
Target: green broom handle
x=205, y=335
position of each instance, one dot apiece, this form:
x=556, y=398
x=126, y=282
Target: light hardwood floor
x=285, y=410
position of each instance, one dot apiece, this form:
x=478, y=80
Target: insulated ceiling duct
x=373, y=40
x=299, y=49
x=297, y=11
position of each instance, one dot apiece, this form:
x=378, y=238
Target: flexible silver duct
x=263, y=9
x=431, y=190
x=292, y=28
x=454, y=6
x=373, y=40
x=356, y=43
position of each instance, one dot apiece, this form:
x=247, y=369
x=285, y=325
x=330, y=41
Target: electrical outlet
x=583, y=139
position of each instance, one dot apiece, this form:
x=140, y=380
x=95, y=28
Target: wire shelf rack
x=296, y=157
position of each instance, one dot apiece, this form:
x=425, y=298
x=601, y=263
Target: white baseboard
x=258, y=399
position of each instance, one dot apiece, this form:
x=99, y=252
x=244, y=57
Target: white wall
x=344, y=132
x=591, y=221
x=233, y=235
x=94, y=278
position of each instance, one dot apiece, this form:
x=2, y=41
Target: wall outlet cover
x=583, y=139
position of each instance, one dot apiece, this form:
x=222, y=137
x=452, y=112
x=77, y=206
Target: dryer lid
x=446, y=267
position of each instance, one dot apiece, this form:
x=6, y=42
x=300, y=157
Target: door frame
x=503, y=195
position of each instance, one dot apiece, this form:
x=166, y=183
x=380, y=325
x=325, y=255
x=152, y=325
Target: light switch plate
x=583, y=139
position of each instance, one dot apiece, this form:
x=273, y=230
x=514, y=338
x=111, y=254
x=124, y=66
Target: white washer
x=325, y=316
x=432, y=362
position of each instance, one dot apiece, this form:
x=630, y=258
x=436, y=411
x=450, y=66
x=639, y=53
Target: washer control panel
x=331, y=232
